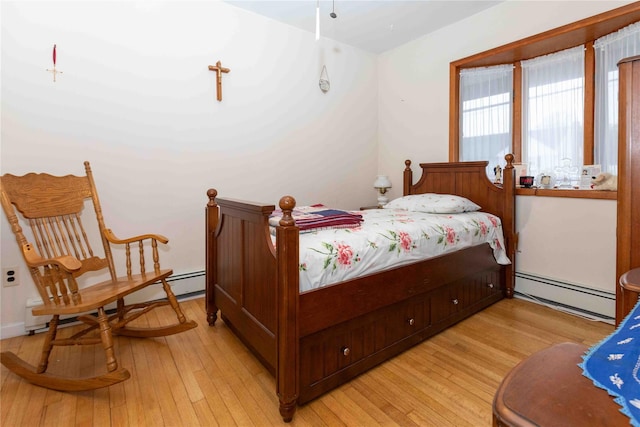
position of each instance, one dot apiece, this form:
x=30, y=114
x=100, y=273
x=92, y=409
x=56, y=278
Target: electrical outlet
x=10, y=277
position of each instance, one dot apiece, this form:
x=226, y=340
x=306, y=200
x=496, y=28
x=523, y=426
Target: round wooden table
x=630, y=284
x=548, y=389
x=631, y=280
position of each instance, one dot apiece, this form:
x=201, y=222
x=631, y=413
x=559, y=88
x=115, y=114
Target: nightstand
x=364, y=208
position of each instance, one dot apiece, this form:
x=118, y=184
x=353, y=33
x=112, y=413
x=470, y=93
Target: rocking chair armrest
x=113, y=239
x=67, y=262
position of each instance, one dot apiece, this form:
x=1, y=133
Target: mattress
x=388, y=238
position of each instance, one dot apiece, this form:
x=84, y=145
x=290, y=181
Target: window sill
x=576, y=194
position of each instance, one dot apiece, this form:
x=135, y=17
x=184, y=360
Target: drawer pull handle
x=345, y=351
x=411, y=322
x=455, y=301
x=490, y=285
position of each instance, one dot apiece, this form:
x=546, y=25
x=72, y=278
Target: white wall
x=561, y=237
x=570, y=241
x=414, y=119
x=136, y=99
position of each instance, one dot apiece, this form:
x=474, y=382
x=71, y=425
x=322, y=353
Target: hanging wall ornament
x=324, y=80
x=53, y=70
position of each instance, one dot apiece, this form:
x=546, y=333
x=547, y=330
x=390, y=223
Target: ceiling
x=372, y=25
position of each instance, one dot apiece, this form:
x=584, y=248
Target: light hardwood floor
x=206, y=377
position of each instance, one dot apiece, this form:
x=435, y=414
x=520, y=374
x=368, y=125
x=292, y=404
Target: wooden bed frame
x=317, y=340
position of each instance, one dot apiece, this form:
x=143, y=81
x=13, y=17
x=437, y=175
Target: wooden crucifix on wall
x=219, y=69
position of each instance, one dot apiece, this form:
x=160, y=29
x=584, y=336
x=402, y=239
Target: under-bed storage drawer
x=454, y=298
x=325, y=354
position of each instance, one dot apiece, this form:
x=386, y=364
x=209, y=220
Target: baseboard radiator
x=576, y=299
x=570, y=297
x=184, y=286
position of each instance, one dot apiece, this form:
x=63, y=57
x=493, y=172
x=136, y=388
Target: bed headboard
x=469, y=179
x=466, y=179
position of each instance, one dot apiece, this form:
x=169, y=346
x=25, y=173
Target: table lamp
x=381, y=184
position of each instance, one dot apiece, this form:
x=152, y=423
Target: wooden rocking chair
x=60, y=253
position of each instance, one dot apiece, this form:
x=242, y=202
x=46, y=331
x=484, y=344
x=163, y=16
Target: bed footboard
x=255, y=286
x=241, y=273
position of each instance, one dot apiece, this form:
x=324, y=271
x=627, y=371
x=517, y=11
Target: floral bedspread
x=389, y=238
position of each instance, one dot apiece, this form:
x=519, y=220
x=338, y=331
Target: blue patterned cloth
x=614, y=364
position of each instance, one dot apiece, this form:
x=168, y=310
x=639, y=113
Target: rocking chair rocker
x=59, y=253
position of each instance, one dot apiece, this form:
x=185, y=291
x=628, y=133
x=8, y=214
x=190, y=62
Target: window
x=541, y=134
x=486, y=107
x=609, y=50
x=553, y=112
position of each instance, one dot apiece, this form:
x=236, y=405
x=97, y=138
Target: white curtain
x=485, y=114
x=553, y=111
x=609, y=50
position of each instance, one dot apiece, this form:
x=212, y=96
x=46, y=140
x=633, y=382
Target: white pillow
x=433, y=203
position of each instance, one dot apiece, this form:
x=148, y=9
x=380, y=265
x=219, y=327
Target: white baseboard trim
x=569, y=297
x=12, y=330
x=184, y=286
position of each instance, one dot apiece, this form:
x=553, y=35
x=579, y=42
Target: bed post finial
x=287, y=203
x=509, y=158
x=407, y=178
x=212, y=193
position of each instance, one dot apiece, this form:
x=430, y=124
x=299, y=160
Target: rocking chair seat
x=103, y=293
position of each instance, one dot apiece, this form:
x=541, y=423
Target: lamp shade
x=382, y=181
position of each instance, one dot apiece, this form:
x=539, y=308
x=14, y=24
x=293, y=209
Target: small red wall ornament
x=54, y=70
